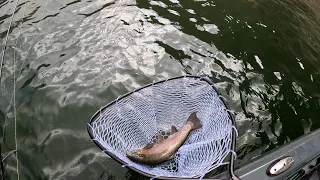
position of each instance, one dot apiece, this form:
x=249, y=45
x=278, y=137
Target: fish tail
x=194, y=121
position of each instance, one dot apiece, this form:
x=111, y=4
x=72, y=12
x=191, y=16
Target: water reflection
x=76, y=56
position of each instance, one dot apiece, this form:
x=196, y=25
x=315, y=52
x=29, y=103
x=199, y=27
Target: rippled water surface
x=69, y=57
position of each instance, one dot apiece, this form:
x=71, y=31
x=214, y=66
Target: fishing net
x=135, y=119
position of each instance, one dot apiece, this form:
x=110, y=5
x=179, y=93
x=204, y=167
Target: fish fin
x=173, y=129
x=148, y=146
x=160, y=139
x=194, y=121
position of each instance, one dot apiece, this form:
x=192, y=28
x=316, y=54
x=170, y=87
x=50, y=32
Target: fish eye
x=139, y=154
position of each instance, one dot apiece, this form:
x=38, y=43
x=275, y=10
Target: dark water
x=71, y=57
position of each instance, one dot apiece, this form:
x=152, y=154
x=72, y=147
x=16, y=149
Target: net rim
x=202, y=78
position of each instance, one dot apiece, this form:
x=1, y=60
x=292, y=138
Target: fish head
x=136, y=155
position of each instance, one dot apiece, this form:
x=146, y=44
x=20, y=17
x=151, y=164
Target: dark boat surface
x=306, y=165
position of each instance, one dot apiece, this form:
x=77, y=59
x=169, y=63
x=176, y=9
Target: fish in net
x=139, y=117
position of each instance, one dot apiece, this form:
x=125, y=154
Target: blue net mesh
x=136, y=119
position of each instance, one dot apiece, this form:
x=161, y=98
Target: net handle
x=234, y=132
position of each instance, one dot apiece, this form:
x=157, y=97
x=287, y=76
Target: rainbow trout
x=163, y=150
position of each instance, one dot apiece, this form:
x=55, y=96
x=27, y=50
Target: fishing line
x=2, y=63
x=20, y=71
x=14, y=87
x=13, y=96
x=6, y=40
x=0, y=81
x=15, y=110
x=1, y=67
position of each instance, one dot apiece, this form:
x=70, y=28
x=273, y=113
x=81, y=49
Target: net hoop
x=124, y=164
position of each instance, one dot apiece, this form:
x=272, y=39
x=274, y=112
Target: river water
x=69, y=57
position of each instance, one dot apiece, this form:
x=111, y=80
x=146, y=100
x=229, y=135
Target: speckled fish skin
x=163, y=150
